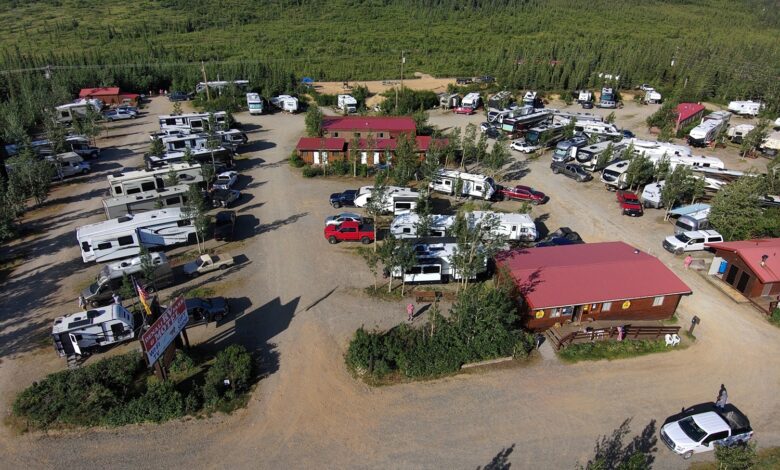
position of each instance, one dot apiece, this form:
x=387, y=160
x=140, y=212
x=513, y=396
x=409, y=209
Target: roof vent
x=763, y=260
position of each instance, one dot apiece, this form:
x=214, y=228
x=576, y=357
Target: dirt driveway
x=299, y=306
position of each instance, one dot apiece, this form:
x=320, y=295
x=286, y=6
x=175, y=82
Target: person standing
x=410, y=312
x=723, y=397
x=117, y=298
x=688, y=261
x=82, y=302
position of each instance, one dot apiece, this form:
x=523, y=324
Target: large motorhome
x=709, y=129
x=405, y=226
x=598, y=129
x=286, y=103
x=541, y=136
x=398, y=200
x=77, y=110
x=514, y=123
x=614, y=176
x=746, y=108
x=134, y=182
x=608, y=99
x=80, y=332
x=192, y=122
x=173, y=196
x=434, y=264
x=480, y=186
x=123, y=237
x=588, y=156
x=110, y=277
x=73, y=143
x=471, y=100
x=255, y=103
x=347, y=103
x=68, y=164
x=515, y=227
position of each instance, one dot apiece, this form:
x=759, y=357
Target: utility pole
x=205, y=80
x=403, y=59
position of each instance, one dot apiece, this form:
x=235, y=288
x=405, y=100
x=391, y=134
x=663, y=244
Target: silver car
x=344, y=217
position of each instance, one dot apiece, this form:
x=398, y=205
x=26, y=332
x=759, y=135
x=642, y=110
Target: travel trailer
x=651, y=195
x=746, y=108
x=124, y=236
x=711, y=126
x=737, y=133
x=694, y=217
x=255, y=104
x=434, y=264
x=110, y=277
x=501, y=101
x=220, y=157
x=398, y=200
x=598, y=129
x=652, y=96
x=614, y=176
x=285, y=103
x=531, y=99
x=192, y=122
x=449, y=100
x=471, y=100
x=584, y=96
x=471, y=185
x=405, y=226
x=515, y=227
x=588, y=156
x=73, y=143
x=82, y=332
x=76, y=110
x=134, y=182
x=565, y=150
x=347, y=103
x=173, y=196
x=655, y=150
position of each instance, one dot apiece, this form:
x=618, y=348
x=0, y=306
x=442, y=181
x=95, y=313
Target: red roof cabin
x=598, y=281
x=109, y=95
x=321, y=150
x=751, y=267
x=310, y=149
x=687, y=113
x=380, y=127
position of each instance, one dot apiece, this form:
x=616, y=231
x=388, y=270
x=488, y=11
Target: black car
x=587, y=105
x=224, y=225
x=346, y=198
x=627, y=134
x=562, y=236
x=179, y=96
x=571, y=170
x=224, y=197
x=213, y=309
x=492, y=133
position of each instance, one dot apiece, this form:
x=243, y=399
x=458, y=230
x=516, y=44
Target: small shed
x=108, y=95
x=752, y=266
x=687, y=113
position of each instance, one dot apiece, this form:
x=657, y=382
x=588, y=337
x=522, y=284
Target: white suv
x=691, y=241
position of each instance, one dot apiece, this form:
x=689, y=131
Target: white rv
x=347, y=103
x=134, y=182
x=73, y=143
x=286, y=103
x=614, y=176
x=598, y=129
x=584, y=96
x=78, y=109
x=738, y=132
x=124, y=236
x=529, y=99
x=68, y=164
x=405, y=226
x=434, y=264
x=471, y=100
x=709, y=129
x=478, y=186
x=588, y=156
x=173, y=196
x=79, y=332
x=515, y=227
x=655, y=150
x=254, y=102
x=191, y=122
x=746, y=108
x=772, y=141
x=608, y=99
x=541, y=136
x=220, y=85
x=221, y=157
x=398, y=200
x=651, y=195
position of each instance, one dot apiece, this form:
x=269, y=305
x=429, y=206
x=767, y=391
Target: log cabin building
x=752, y=267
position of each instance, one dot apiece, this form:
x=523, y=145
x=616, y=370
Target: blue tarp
x=685, y=210
x=307, y=80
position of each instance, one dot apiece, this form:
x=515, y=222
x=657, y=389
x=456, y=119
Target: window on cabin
x=606, y=306
x=657, y=301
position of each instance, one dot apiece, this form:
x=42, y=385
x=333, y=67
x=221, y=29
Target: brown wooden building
x=324, y=150
x=321, y=150
x=380, y=127
x=752, y=266
x=599, y=281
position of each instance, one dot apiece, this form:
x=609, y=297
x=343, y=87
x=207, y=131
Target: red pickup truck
x=630, y=204
x=523, y=193
x=349, y=231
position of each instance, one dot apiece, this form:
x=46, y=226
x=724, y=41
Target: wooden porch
x=607, y=331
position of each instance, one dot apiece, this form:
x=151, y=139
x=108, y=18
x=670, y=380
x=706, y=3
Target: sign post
x=163, y=332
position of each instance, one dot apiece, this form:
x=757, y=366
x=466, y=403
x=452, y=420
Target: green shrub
x=312, y=171
x=233, y=364
x=295, y=160
x=324, y=99
x=611, y=350
x=182, y=363
x=775, y=316
x=161, y=402
x=340, y=168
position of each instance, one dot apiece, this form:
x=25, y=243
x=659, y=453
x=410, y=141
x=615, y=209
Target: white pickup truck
x=702, y=427
x=208, y=263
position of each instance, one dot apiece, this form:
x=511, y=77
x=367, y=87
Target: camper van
x=286, y=103
x=608, y=98
x=347, y=103
x=173, y=196
x=405, y=226
x=694, y=217
x=192, y=122
x=68, y=164
x=709, y=129
x=123, y=237
x=515, y=227
x=76, y=110
x=737, y=133
x=134, y=182
x=81, y=332
x=477, y=186
x=434, y=264
x=746, y=108
x=614, y=176
x=255, y=104
x=541, y=136
x=110, y=277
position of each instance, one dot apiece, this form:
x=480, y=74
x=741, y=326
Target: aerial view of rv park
x=402, y=234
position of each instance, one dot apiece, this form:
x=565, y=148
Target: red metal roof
x=752, y=251
x=93, y=92
x=686, y=110
x=558, y=276
x=321, y=143
x=369, y=123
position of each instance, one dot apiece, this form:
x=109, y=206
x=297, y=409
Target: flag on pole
x=143, y=296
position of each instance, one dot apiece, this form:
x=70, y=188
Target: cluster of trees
x=482, y=324
x=736, y=209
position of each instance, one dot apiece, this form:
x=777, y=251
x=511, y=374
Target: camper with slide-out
x=435, y=263
x=347, y=103
x=746, y=108
x=109, y=279
x=286, y=103
x=398, y=200
x=710, y=128
x=255, y=103
x=471, y=185
x=134, y=182
x=173, y=196
x=191, y=122
x=82, y=332
x=513, y=227
x=405, y=225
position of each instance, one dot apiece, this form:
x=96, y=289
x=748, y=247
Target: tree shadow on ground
x=500, y=461
x=613, y=453
x=263, y=228
x=516, y=171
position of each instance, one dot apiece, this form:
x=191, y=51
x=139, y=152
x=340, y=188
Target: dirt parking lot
x=297, y=301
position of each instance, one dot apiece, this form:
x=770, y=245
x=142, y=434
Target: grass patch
x=202, y=292
x=613, y=350
x=381, y=293
x=767, y=459
x=774, y=317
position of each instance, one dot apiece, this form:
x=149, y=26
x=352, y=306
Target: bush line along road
x=300, y=307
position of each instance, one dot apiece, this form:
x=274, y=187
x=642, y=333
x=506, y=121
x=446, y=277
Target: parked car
x=701, y=428
x=769, y=200
x=627, y=134
x=344, y=217
x=349, y=231
x=211, y=309
x=224, y=197
x=630, y=203
x=572, y=170
x=587, y=104
x=691, y=241
x=180, y=96
x=346, y=198
x=225, y=180
x=493, y=133
x=118, y=115
x=207, y=263
x=562, y=236
x=224, y=225
x=485, y=126
x=468, y=110
x=128, y=108
x=523, y=193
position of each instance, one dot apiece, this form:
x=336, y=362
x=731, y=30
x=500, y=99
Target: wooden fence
x=610, y=334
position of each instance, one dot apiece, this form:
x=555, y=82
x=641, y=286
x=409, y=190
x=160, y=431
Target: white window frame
x=605, y=306
x=658, y=301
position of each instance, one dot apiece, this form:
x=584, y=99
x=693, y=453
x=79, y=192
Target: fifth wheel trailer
x=173, y=196
x=75, y=334
x=471, y=185
x=134, y=182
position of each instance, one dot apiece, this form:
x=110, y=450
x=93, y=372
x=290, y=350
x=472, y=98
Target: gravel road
x=300, y=301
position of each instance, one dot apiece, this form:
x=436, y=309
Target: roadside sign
x=163, y=331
